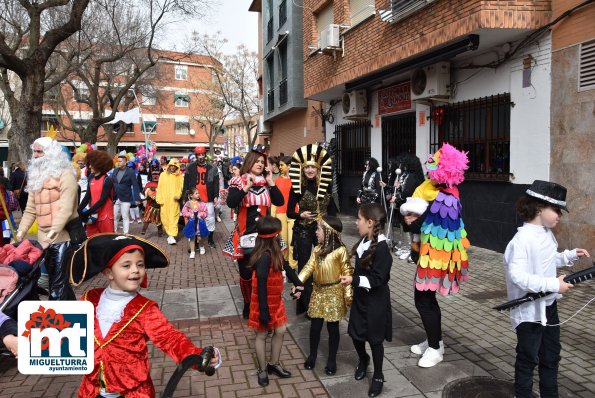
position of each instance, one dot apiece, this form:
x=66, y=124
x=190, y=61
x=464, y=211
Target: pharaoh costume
x=313, y=196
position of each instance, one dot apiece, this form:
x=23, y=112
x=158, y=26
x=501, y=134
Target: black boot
x=210, y=240
x=376, y=387
x=263, y=378
x=278, y=370
x=362, y=366
x=246, y=310
x=58, y=274
x=310, y=362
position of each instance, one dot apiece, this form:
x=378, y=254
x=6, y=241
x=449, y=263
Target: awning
x=1, y=123
x=441, y=53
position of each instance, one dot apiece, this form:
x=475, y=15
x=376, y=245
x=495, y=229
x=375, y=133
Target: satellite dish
x=419, y=81
x=346, y=103
x=192, y=132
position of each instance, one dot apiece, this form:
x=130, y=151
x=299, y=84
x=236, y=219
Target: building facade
x=175, y=107
x=573, y=120
x=289, y=120
x=406, y=76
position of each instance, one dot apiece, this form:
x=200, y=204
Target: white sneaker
x=405, y=255
x=171, y=240
x=430, y=358
x=420, y=348
x=192, y=255
x=201, y=250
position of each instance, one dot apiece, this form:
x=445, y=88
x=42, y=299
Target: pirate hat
x=311, y=155
x=549, y=192
x=101, y=251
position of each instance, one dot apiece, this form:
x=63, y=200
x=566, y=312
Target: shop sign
x=394, y=98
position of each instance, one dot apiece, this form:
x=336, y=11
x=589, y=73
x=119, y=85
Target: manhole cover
x=478, y=387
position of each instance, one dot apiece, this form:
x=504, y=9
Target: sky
x=231, y=17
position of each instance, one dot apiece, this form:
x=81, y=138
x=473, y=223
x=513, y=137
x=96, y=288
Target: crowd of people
x=286, y=226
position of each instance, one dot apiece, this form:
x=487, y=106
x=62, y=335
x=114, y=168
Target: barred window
x=481, y=127
x=353, y=146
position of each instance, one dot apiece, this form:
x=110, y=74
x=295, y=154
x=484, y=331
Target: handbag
x=248, y=241
x=76, y=231
x=12, y=201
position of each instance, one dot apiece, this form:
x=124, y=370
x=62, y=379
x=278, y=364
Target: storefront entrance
x=398, y=135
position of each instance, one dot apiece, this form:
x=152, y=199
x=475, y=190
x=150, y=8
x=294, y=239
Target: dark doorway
x=398, y=135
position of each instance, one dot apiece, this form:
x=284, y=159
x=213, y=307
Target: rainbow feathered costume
x=443, y=261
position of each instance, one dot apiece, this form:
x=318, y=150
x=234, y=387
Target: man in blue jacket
x=127, y=191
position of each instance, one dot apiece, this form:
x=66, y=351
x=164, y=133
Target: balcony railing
x=282, y=13
x=270, y=30
x=271, y=100
x=283, y=92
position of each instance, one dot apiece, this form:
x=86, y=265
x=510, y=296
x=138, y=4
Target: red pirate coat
x=122, y=358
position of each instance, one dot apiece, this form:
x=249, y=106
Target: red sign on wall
x=394, y=98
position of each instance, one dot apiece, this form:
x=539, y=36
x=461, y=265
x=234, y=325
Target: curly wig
x=447, y=166
x=101, y=161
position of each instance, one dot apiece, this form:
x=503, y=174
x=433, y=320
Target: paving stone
x=215, y=293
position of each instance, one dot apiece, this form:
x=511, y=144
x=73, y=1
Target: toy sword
x=575, y=278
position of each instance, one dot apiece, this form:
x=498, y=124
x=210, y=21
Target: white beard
x=41, y=169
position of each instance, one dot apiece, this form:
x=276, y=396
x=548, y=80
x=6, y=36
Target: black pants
x=538, y=345
x=304, y=239
x=431, y=317
x=57, y=269
x=377, y=356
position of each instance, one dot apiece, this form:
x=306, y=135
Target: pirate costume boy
x=124, y=321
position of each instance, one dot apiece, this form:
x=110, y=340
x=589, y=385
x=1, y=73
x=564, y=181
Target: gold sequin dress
x=329, y=298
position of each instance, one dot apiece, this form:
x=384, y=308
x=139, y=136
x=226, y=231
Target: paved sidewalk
x=202, y=298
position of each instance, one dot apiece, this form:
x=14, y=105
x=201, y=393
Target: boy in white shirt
x=530, y=263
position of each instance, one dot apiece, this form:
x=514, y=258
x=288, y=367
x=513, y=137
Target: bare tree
x=236, y=80
x=29, y=34
x=111, y=52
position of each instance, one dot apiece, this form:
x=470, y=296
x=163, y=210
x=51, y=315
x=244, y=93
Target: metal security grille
x=353, y=145
x=398, y=135
x=481, y=127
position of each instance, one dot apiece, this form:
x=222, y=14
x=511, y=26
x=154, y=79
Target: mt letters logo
x=56, y=337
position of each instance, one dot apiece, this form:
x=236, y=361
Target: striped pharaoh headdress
x=311, y=155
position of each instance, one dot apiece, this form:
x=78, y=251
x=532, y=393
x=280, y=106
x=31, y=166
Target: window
x=586, y=75
x=324, y=18
x=149, y=127
x=129, y=128
x=270, y=84
x=283, y=67
x=481, y=127
x=182, y=100
x=149, y=99
x=182, y=127
x=361, y=10
x=401, y=9
x=80, y=92
x=80, y=123
x=353, y=146
x=282, y=13
x=48, y=120
x=52, y=94
x=181, y=72
x=270, y=21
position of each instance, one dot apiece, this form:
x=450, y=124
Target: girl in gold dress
x=329, y=301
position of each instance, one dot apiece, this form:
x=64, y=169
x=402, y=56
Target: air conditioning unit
x=355, y=104
x=431, y=82
x=330, y=38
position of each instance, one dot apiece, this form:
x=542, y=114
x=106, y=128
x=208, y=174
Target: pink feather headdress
x=447, y=166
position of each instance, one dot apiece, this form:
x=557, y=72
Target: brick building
x=174, y=100
x=406, y=76
x=289, y=120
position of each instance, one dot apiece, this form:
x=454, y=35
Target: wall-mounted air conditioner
x=330, y=38
x=355, y=104
x=431, y=81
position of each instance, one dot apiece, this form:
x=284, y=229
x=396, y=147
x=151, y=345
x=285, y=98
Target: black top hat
x=549, y=192
x=100, y=251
